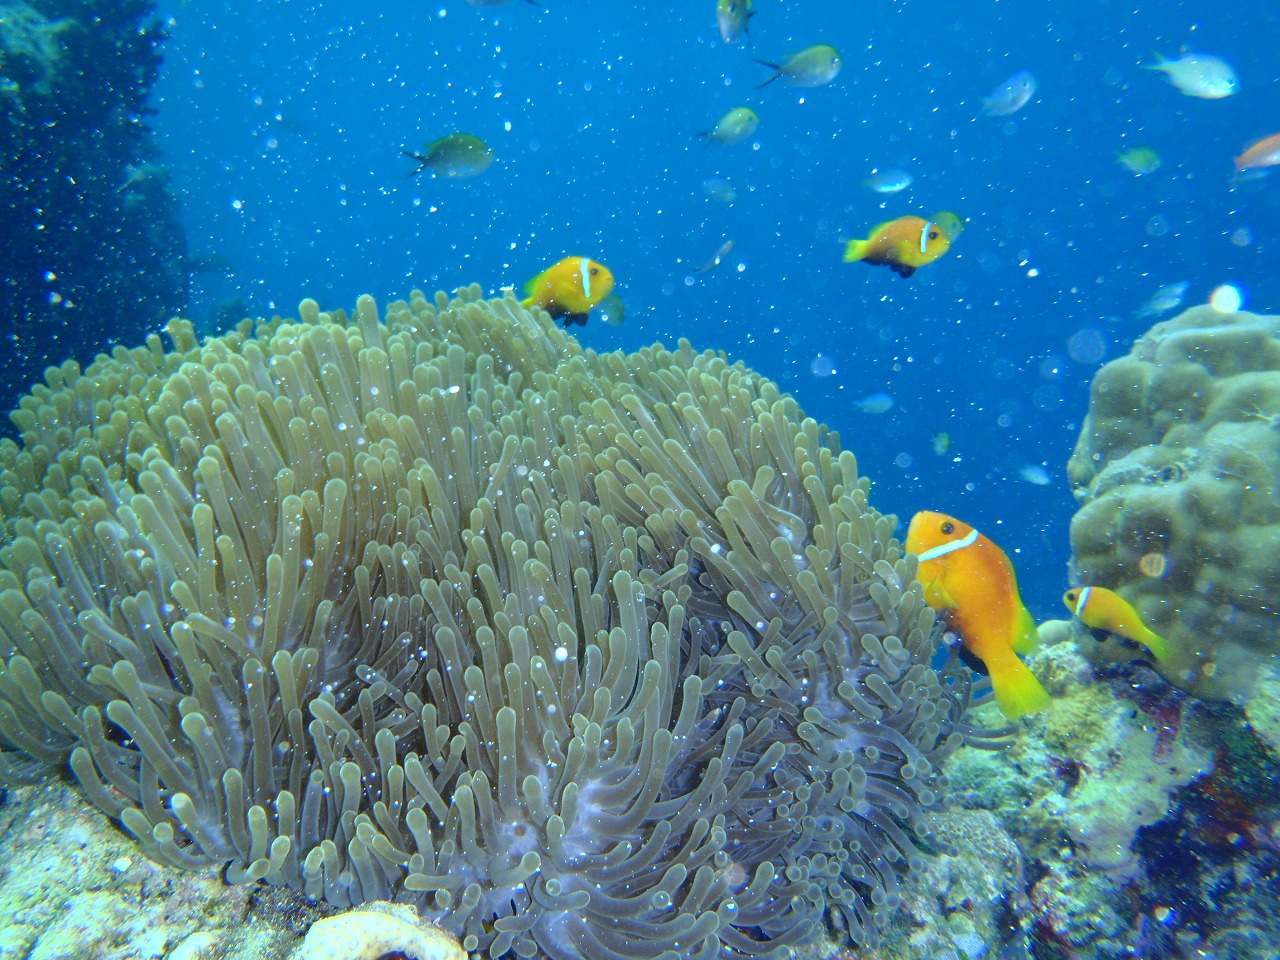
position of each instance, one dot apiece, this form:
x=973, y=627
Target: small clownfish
x=904, y=244
x=1104, y=609
x=970, y=581
x=569, y=290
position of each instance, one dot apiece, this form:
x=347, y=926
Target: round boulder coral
x=579, y=654
x=1177, y=471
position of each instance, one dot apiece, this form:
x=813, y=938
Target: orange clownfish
x=969, y=580
x=568, y=290
x=1105, y=609
x=904, y=244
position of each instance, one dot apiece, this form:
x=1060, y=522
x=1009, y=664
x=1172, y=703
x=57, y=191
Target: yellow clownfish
x=1105, y=609
x=970, y=581
x=569, y=289
x=904, y=244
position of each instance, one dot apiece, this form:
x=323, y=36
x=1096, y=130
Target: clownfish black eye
x=948, y=528
x=933, y=234
x=594, y=271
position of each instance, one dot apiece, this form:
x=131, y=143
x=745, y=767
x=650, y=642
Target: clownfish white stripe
x=584, y=270
x=924, y=237
x=943, y=549
x=1084, y=600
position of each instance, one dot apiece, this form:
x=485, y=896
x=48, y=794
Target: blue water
x=284, y=126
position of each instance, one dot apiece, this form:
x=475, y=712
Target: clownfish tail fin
x=1160, y=648
x=1017, y=690
x=1027, y=634
x=855, y=250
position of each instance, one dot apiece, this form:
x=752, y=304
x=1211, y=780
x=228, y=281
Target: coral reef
x=1212, y=867
x=93, y=250
x=1177, y=471
x=583, y=655
x=71, y=886
x=30, y=52
x=1074, y=793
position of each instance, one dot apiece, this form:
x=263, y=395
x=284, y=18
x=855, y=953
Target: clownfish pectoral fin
x=571, y=318
x=1017, y=690
x=937, y=597
x=902, y=269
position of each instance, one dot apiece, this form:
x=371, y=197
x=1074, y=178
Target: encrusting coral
x=1178, y=474
x=581, y=655
x=375, y=931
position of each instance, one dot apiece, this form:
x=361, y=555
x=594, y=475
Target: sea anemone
x=583, y=655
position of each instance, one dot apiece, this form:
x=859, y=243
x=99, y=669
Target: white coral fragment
x=368, y=934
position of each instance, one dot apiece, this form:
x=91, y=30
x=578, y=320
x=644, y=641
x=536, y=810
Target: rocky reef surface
x=1128, y=821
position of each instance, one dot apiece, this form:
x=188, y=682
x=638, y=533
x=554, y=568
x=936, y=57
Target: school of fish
x=967, y=579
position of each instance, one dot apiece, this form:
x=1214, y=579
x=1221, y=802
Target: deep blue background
x=284, y=124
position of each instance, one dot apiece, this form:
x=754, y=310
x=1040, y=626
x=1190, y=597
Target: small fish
x=902, y=245
x=715, y=260
x=611, y=310
x=941, y=443
x=1034, y=473
x=1264, y=153
x=143, y=174
x=970, y=581
x=950, y=224
x=888, y=181
x=1168, y=297
x=812, y=67
x=569, y=289
x=876, y=403
x=1011, y=96
x=1139, y=160
x=454, y=157
x=734, y=127
x=1104, y=609
x=733, y=16
x=718, y=189
x=1198, y=75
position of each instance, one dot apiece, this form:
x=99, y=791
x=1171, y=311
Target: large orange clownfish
x=970, y=581
x=570, y=289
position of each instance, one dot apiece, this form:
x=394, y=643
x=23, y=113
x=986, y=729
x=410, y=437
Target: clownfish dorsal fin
x=951, y=546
